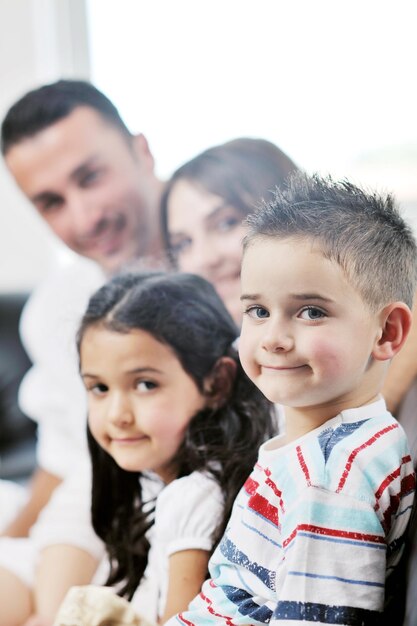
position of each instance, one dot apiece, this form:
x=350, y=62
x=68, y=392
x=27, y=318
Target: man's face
x=94, y=187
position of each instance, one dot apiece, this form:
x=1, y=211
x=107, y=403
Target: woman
x=205, y=202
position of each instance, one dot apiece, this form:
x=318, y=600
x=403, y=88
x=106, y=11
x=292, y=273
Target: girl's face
x=140, y=400
x=206, y=236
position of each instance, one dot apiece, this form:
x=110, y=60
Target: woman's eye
x=257, y=312
x=179, y=246
x=145, y=385
x=312, y=314
x=228, y=223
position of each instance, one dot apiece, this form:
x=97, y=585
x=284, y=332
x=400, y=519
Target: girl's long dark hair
x=185, y=313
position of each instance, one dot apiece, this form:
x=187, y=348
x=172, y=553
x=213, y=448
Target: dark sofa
x=17, y=432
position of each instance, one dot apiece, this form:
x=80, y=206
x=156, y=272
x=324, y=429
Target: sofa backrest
x=17, y=432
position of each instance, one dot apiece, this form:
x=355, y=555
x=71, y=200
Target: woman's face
x=206, y=236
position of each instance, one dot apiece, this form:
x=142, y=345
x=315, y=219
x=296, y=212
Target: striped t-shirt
x=316, y=529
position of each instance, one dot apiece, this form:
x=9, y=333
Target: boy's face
x=307, y=336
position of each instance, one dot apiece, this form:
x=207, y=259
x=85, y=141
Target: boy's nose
x=277, y=339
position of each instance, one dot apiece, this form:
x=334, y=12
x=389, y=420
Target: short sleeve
x=187, y=513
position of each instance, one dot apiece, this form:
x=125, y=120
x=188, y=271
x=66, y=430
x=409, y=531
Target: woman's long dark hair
x=185, y=313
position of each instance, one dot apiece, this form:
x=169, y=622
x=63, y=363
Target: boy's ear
x=396, y=321
x=218, y=384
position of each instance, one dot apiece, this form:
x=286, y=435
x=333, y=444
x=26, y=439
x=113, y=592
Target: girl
x=170, y=409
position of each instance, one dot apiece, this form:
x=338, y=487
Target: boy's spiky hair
x=360, y=230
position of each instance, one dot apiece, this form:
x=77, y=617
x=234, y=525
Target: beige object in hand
x=91, y=605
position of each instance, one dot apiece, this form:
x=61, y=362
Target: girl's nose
x=119, y=411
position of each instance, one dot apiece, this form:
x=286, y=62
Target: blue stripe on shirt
x=325, y=614
x=232, y=553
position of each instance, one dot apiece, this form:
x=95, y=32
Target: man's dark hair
x=46, y=105
x=360, y=230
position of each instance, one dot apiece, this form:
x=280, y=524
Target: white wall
x=40, y=41
x=331, y=82
x=324, y=79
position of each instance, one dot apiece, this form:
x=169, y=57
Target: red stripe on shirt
x=303, y=465
x=209, y=603
x=389, y=479
x=356, y=451
x=331, y=532
x=272, y=485
x=250, y=486
x=261, y=505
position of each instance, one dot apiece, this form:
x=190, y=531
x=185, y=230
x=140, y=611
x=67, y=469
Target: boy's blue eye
x=257, y=312
x=312, y=314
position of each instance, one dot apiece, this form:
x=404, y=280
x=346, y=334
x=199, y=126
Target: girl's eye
x=145, y=385
x=312, y=314
x=257, y=312
x=98, y=389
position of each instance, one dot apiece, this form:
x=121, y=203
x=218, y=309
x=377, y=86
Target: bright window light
x=331, y=83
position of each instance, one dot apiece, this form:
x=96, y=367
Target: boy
x=328, y=276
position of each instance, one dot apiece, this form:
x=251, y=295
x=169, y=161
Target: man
x=93, y=182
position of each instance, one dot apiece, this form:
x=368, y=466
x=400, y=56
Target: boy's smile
x=307, y=336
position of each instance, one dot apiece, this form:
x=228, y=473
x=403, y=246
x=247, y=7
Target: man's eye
x=89, y=177
x=50, y=205
x=257, y=312
x=312, y=314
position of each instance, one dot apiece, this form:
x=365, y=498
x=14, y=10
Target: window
x=330, y=82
